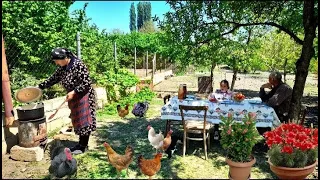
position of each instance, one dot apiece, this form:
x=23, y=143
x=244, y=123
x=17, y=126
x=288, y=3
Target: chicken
x=123, y=112
x=150, y=167
x=140, y=109
x=167, y=141
x=118, y=161
x=165, y=98
x=156, y=140
x=62, y=163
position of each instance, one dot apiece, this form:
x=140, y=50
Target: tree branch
x=290, y=33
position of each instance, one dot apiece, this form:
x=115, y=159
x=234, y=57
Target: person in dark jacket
x=74, y=77
x=279, y=97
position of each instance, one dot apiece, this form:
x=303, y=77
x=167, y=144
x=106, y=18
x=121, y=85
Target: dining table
x=265, y=115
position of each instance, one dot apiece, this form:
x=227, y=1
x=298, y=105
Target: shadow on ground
x=133, y=131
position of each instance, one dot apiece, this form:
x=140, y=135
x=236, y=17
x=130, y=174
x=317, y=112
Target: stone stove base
x=26, y=154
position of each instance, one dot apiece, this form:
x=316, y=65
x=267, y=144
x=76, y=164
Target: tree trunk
x=213, y=65
x=285, y=69
x=302, y=65
x=165, y=63
x=234, y=78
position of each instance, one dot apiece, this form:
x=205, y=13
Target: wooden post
x=135, y=60
x=160, y=58
x=153, y=67
x=6, y=90
x=147, y=65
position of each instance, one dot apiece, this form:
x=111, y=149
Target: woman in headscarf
x=74, y=77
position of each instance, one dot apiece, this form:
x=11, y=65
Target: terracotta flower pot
x=292, y=173
x=240, y=170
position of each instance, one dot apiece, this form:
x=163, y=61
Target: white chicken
x=156, y=140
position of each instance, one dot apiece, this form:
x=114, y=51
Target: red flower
x=302, y=136
x=307, y=131
x=309, y=145
x=289, y=140
x=278, y=139
x=284, y=127
x=287, y=149
x=269, y=142
x=297, y=144
x=268, y=134
x=303, y=146
x=315, y=141
x=278, y=131
x=315, y=133
x=300, y=128
x=291, y=134
x=229, y=115
x=229, y=131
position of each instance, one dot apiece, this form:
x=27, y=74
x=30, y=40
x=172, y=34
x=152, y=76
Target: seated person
x=222, y=93
x=279, y=97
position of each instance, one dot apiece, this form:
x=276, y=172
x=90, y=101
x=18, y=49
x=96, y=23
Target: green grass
x=132, y=131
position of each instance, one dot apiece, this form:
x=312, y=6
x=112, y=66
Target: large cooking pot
x=31, y=111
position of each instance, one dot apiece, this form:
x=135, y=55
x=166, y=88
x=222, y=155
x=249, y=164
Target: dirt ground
x=247, y=83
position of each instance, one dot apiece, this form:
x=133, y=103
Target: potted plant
x=293, y=150
x=238, y=139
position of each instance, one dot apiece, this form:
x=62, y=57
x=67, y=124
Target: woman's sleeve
x=54, y=79
x=84, y=79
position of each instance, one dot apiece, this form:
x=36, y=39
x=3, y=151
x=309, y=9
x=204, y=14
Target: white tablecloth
x=266, y=116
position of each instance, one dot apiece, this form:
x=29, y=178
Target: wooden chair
x=195, y=127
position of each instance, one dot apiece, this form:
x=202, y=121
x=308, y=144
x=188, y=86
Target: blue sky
x=111, y=15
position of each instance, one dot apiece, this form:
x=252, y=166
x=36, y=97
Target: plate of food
x=238, y=97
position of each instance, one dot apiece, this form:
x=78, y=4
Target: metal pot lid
x=28, y=94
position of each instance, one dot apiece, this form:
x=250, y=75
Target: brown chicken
x=150, y=167
x=167, y=141
x=123, y=112
x=118, y=161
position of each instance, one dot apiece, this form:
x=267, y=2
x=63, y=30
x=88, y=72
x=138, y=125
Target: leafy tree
x=279, y=52
x=200, y=22
x=144, y=14
x=32, y=30
x=147, y=27
x=133, y=17
x=140, y=17
x=147, y=12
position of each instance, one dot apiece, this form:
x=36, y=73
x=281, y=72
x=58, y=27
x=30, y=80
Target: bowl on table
x=238, y=97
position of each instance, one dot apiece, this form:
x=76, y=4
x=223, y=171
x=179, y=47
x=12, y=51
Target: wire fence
x=29, y=63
